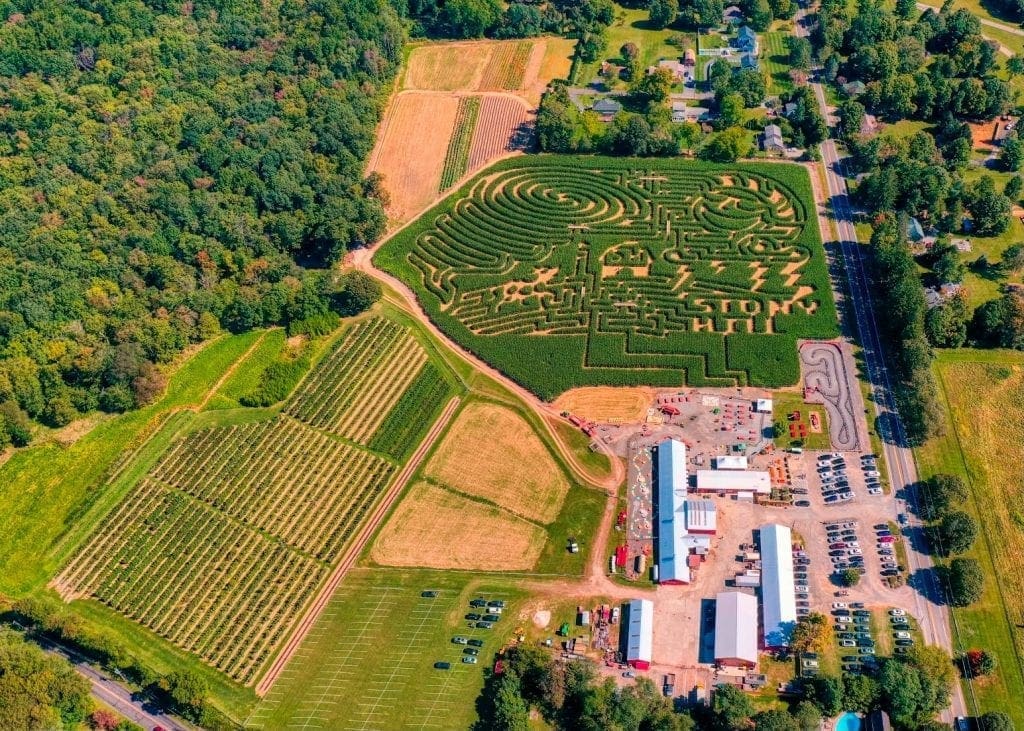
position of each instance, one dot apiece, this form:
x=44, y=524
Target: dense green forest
x=169, y=168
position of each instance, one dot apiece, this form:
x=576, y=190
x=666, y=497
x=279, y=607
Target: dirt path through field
x=320, y=601
x=230, y=372
x=362, y=260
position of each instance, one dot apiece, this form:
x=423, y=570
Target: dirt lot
x=607, y=405
x=435, y=528
x=492, y=452
x=411, y=147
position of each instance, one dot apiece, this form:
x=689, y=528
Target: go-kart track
x=828, y=380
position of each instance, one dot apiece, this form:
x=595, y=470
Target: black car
x=865, y=643
x=476, y=643
x=492, y=617
x=441, y=665
x=890, y=572
x=802, y=504
x=850, y=658
x=478, y=603
x=484, y=625
x=862, y=613
x=496, y=603
x=473, y=617
x=470, y=651
x=837, y=552
x=429, y=594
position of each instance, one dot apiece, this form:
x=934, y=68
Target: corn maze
x=223, y=541
x=566, y=272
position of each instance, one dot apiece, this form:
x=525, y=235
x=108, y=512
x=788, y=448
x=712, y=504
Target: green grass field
x=612, y=275
x=786, y=402
x=368, y=662
x=247, y=375
x=775, y=57
x=983, y=395
x=45, y=490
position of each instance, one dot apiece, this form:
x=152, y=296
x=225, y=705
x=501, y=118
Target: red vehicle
x=668, y=410
x=886, y=539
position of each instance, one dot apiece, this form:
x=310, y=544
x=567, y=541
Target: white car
x=901, y=635
x=843, y=619
x=847, y=643
x=874, y=491
x=898, y=612
x=839, y=605
x=872, y=473
x=801, y=589
x=855, y=552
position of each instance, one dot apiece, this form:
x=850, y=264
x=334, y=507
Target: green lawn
x=368, y=661
x=967, y=450
x=44, y=490
x=775, y=57
x=786, y=402
x=631, y=26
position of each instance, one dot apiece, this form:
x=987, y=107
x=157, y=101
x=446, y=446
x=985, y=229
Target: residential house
x=869, y=126
x=732, y=15
x=683, y=113
x=854, y=88
x=749, y=61
x=607, y=108
x=1001, y=131
x=746, y=40
x=788, y=109
x=677, y=69
x=772, y=140
x=915, y=231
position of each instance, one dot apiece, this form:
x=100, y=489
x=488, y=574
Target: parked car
x=469, y=660
x=484, y=625
x=832, y=499
x=441, y=665
x=802, y=504
x=478, y=603
x=460, y=640
x=901, y=635
x=847, y=643
x=839, y=605
x=897, y=612
x=496, y=603
x=476, y=643
x=904, y=643
x=866, y=650
x=473, y=616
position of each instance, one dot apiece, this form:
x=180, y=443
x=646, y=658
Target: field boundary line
x=229, y=372
x=321, y=600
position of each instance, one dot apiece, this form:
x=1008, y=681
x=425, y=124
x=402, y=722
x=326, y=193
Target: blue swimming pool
x=848, y=722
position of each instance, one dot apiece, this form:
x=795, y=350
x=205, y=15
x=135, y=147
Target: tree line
x=168, y=170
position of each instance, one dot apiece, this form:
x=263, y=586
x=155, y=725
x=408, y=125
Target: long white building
x=778, y=600
x=636, y=637
x=736, y=629
x=670, y=491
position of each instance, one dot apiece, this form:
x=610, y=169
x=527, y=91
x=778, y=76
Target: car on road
x=458, y=640
x=802, y=504
x=441, y=665
x=469, y=660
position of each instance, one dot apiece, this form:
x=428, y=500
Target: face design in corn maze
x=566, y=251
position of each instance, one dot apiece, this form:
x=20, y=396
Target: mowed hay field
x=986, y=401
x=411, y=147
x=229, y=532
x=525, y=66
x=421, y=148
x=436, y=528
x=492, y=453
x=606, y=404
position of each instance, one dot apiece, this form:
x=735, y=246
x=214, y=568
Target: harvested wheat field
x=504, y=124
x=606, y=404
x=411, y=148
x=493, y=453
x=436, y=528
x=518, y=65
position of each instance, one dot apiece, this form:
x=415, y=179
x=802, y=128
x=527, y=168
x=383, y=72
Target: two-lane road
x=930, y=605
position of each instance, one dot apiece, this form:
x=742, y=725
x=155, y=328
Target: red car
x=886, y=539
